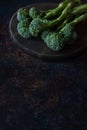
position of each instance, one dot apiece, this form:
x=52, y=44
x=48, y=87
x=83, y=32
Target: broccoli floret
x=68, y=34
x=22, y=14
x=53, y=40
x=23, y=28
x=38, y=24
x=34, y=13
x=56, y=41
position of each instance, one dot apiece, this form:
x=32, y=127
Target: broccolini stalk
x=63, y=15
x=55, y=11
x=60, y=8
x=77, y=20
x=63, y=24
x=75, y=12
x=68, y=31
x=79, y=9
x=67, y=35
x=37, y=25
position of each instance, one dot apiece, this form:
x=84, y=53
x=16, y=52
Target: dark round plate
x=36, y=47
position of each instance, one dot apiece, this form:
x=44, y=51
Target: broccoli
x=53, y=40
x=23, y=28
x=67, y=35
x=33, y=12
x=38, y=24
x=55, y=26
x=68, y=31
x=22, y=14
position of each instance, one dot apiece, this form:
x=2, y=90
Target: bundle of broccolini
x=56, y=27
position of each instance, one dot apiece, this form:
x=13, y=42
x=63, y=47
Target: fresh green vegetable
x=67, y=35
x=68, y=31
x=57, y=11
x=34, y=13
x=76, y=11
x=38, y=24
x=22, y=14
x=55, y=26
x=53, y=40
x=56, y=41
x=23, y=28
x=79, y=9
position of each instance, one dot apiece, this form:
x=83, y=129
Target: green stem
x=62, y=16
x=63, y=24
x=54, y=11
x=76, y=11
x=59, y=8
x=78, y=20
x=79, y=9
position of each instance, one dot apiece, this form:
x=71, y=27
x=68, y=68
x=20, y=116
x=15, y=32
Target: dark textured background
x=37, y=95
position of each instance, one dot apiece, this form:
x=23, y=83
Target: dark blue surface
x=36, y=95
